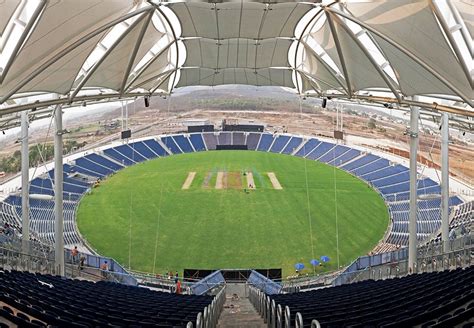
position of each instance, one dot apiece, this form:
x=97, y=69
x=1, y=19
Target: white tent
x=66, y=52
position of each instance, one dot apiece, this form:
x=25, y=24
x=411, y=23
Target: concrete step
x=238, y=312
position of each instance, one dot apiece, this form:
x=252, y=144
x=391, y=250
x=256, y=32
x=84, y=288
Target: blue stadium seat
x=307, y=147
x=333, y=155
x=183, y=143
x=386, y=172
x=265, y=142
x=111, y=152
x=292, y=145
x=368, y=158
x=391, y=180
x=82, y=170
x=349, y=156
x=92, y=166
x=129, y=152
x=104, y=162
x=320, y=150
x=156, y=147
x=197, y=141
x=371, y=167
x=279, y=143
x=171, y=145
x=143, y=149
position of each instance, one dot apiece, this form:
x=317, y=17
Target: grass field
x=143, y=212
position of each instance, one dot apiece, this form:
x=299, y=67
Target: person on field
x=176, y=278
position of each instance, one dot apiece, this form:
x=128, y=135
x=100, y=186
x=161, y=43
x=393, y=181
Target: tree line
x=38, y=154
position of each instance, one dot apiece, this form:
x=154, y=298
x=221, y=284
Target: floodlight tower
x=25, y=167
x=413, y=134
x=445, y=180
x=58, y=192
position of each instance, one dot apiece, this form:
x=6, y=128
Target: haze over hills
x=238, y=97
x=226, y=97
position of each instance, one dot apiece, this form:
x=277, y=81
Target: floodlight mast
x=58, y=192
x=445, y=180
x=25, y=166
x=413, y=135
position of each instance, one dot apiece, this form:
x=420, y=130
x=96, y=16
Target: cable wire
x=307, y=194
x=157, y=229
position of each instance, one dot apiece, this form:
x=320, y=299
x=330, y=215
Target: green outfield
x=143, y=217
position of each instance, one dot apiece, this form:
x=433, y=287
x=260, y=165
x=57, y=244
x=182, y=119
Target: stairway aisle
x=238, y=312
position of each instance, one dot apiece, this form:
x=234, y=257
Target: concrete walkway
x=238, y=312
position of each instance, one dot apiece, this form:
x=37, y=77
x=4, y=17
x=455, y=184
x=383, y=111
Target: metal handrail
x=298, y=320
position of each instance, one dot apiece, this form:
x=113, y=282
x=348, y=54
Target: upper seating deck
x=392, y=181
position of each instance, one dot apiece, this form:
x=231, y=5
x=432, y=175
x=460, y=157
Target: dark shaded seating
x=443, y=299
x=74, y=303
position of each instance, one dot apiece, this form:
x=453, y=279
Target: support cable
x=157, y=229
x=130, y=232
x=307, y=192
x=335, y=201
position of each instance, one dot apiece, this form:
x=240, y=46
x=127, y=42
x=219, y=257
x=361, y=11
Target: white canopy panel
x=60, y=76
x=361, y=72
x=111, y=72
x=156, y=67
x=315, y=67
x=466, y=9
x=259, y=77
x=414, y=78
x=248, y=20
x=325, y=40
x=60, y=25
x=7, y=8
x=77, y=48
x=160, y=81
x=243, y=53
x=413, y=25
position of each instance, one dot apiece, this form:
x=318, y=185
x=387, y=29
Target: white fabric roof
x=248, y=20
x=258, y=77
x=413, y=25
x=466, y=9
x=8, y=8
x=235, y=53
x=130, y=47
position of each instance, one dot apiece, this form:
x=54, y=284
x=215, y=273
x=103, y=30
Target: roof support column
x=445, y=180
x=25, y=167
x=412, y=241
x=339, y=52
x=58, y=192
x=459, y=20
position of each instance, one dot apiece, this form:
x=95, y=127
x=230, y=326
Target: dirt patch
x=207, y=180
x=189, y=180
x=221, y=180
x=250, y=181
x=234, y=180
x=273, y=179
